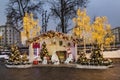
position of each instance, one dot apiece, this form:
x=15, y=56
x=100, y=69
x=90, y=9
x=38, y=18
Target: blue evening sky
x=109, y=8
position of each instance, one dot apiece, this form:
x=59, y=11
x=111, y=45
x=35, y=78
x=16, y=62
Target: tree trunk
x=62, y=16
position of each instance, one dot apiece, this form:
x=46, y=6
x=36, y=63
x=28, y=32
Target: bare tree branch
x=17, y=8
x=65, y=10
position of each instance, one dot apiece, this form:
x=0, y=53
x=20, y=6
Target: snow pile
x=108, y=54
x=111, y=54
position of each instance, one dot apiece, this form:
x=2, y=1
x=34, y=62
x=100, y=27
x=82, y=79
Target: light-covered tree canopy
x=31, y=27
x=98, y=32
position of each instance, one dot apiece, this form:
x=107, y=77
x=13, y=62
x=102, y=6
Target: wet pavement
x=52, y=73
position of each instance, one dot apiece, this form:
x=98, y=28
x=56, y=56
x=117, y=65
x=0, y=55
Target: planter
x=93, y=66
x=19, y=66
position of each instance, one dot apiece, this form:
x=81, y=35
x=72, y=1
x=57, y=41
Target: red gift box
x=35, y=62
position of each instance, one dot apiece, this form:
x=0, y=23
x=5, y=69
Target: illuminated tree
x=82, y=26
x=30, y=26
x=24, y=58
x=101, y=32
x=44, y=50
x=98, y=31
x=14, y=57
x=109, y=38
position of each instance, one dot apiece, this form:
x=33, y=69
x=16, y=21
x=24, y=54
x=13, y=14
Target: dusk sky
x=109, y=8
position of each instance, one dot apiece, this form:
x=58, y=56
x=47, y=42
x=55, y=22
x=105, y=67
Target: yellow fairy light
x=30, y=26
x=78, y=12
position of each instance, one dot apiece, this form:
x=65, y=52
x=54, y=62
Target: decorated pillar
x=73, y=51
x=31, y=53
x=36, y=47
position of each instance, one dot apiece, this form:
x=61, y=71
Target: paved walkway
x=53, y=65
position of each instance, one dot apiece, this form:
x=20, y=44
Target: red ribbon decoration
x=36, y=45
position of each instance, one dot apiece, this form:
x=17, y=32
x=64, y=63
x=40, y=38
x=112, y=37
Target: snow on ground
x=4, y=56
x=111, y=54
x=108, y=54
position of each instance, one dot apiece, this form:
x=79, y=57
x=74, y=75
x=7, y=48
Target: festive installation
x=95, y=59
x=57, y=42
x=52, y=42
x=60, y=48
x=99, y=34
x=16, y=57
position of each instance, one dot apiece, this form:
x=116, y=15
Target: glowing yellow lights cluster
x=99, y=31
x=82, y=23
x=30, y=26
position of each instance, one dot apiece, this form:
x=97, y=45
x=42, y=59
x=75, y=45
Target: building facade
x=10, y=34
x=116, y=32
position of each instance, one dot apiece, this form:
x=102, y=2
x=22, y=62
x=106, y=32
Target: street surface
x=52, y=73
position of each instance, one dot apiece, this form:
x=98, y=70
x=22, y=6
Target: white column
x=31, y=53
x=37, y=52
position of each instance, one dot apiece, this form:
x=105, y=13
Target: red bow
x=36, y=45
